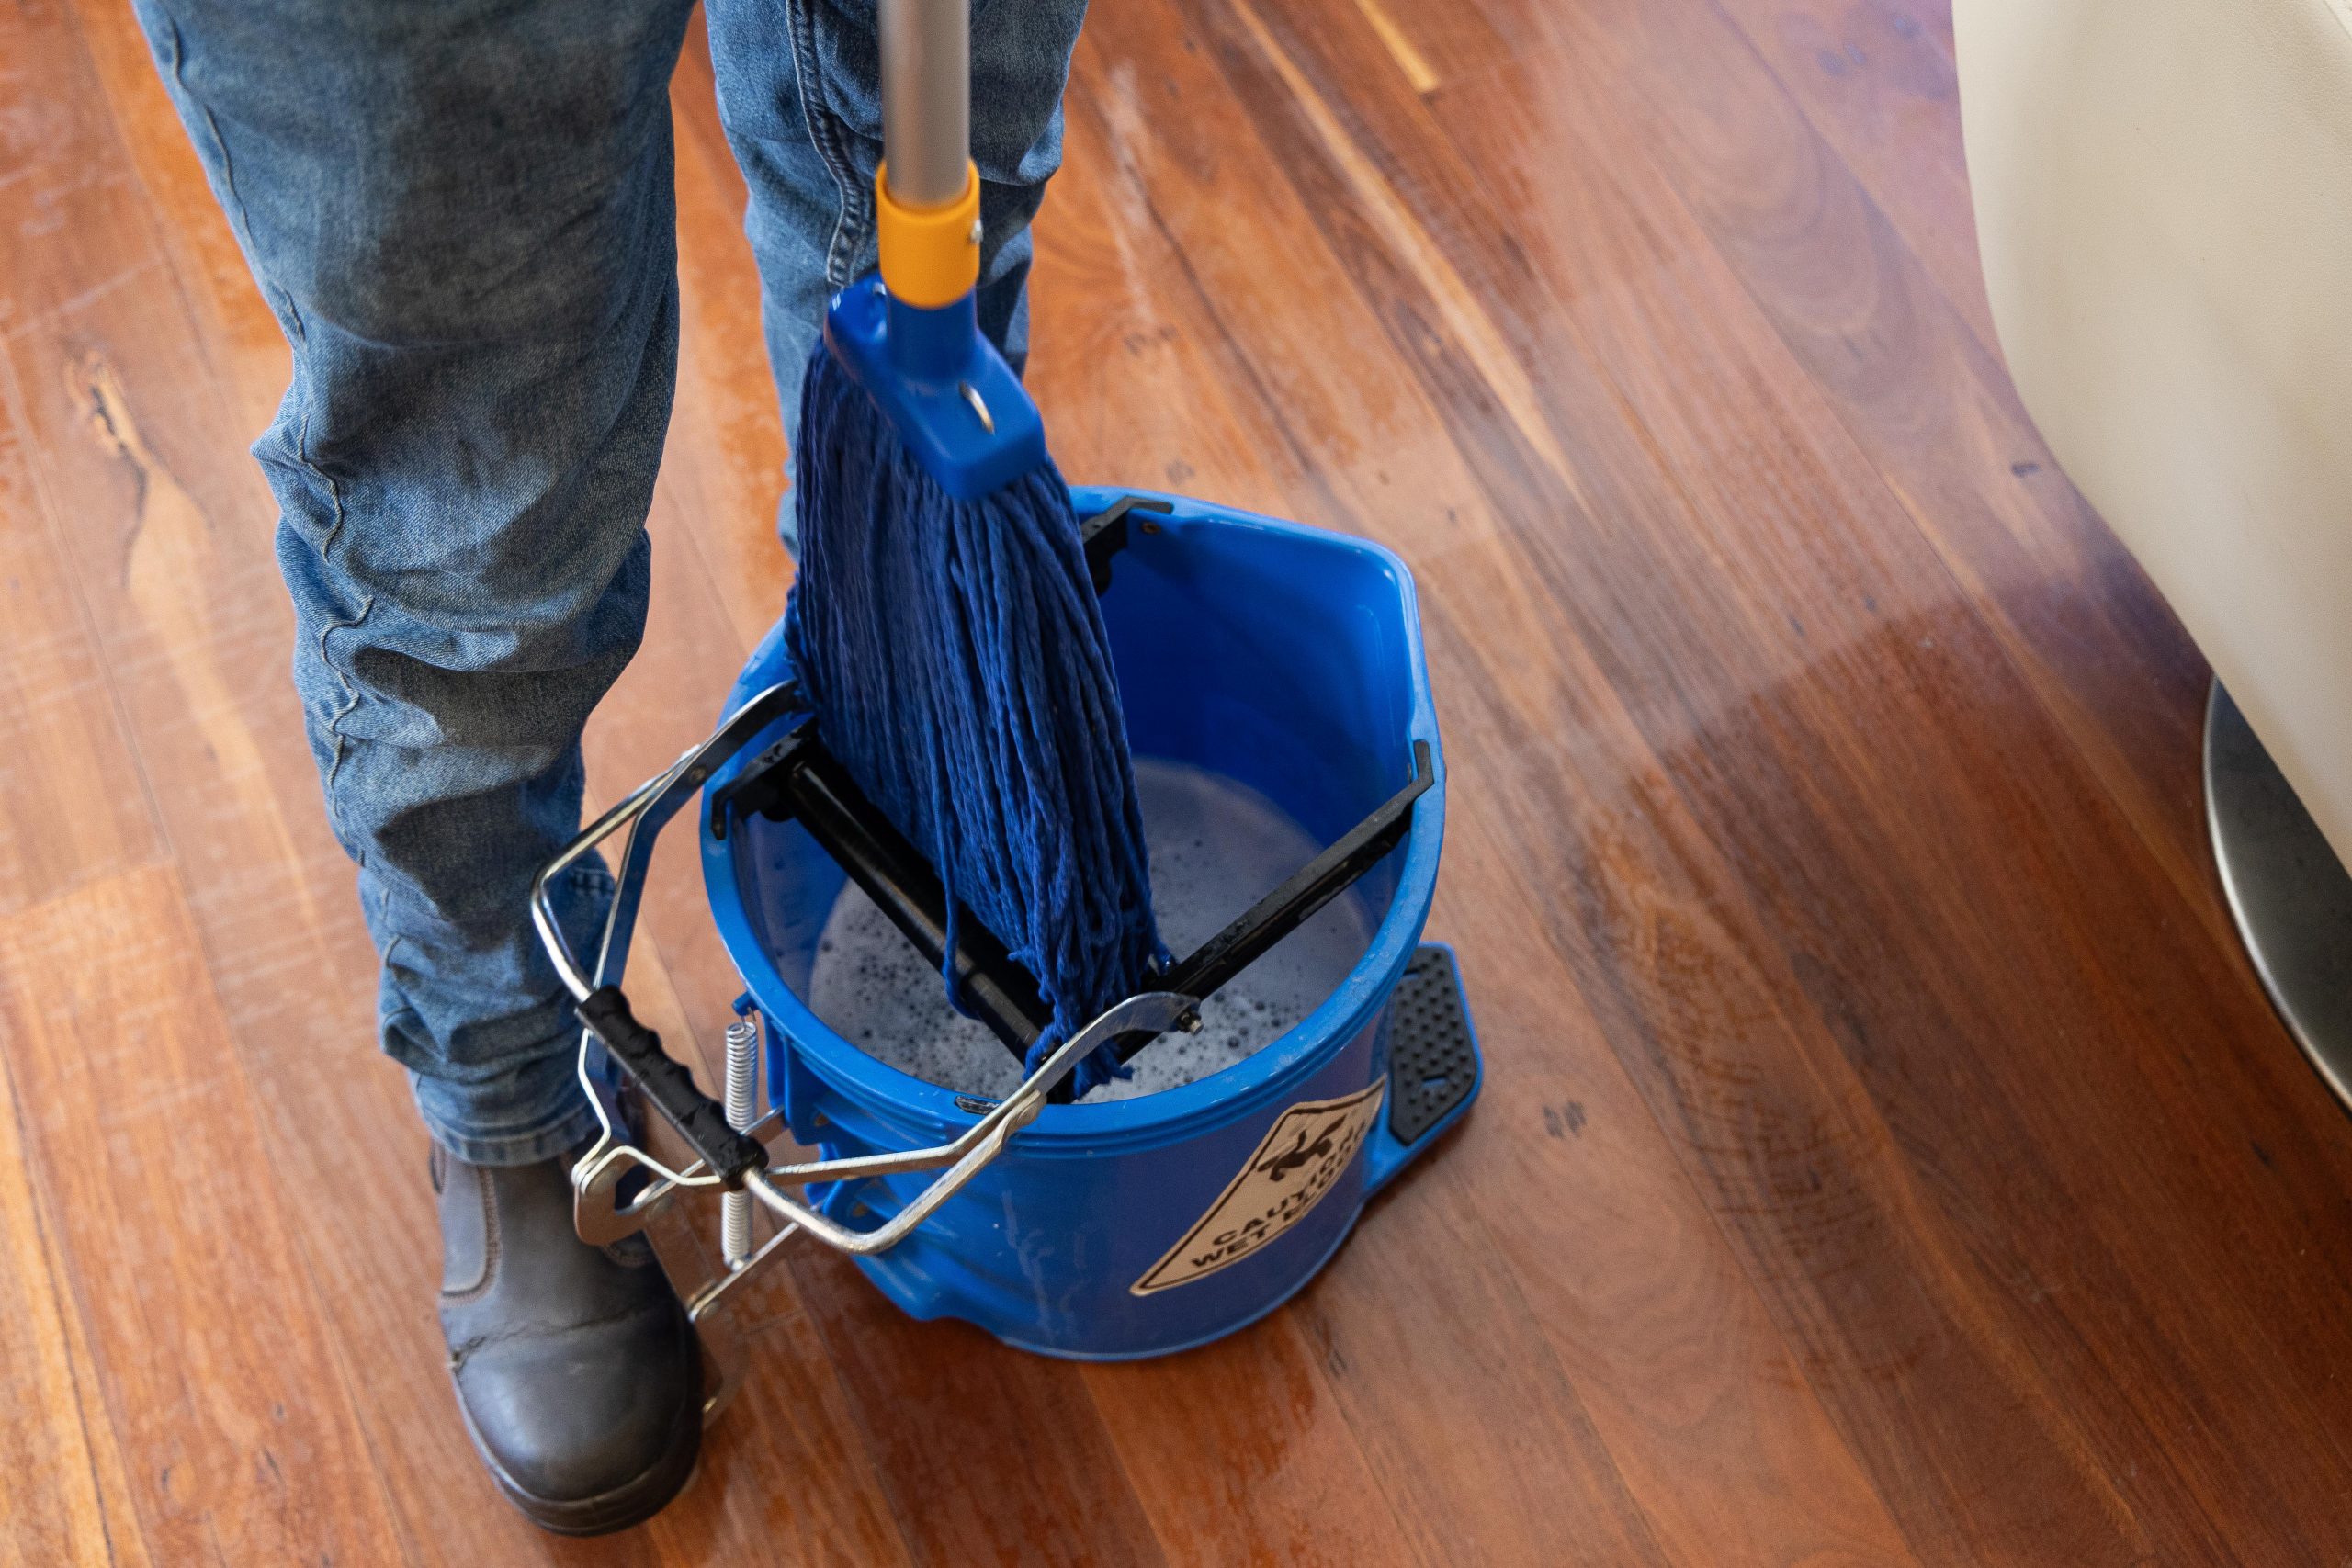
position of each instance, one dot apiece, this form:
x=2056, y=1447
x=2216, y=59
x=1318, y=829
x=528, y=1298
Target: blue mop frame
x=942, y=385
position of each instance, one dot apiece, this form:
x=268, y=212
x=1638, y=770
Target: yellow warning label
x=1303, y=1157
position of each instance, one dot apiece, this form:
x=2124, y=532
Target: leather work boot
x=577, y=1371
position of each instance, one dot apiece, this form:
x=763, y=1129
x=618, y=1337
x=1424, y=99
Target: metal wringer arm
x=726, y=1155
x=796, y=777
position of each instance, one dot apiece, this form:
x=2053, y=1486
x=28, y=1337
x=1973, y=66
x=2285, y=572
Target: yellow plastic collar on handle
x=930, y=257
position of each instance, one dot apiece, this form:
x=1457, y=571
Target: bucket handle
x=726, y=1155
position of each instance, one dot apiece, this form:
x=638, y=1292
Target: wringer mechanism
x=637, y=1165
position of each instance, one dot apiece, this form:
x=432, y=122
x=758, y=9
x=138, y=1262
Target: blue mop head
x=957, y=661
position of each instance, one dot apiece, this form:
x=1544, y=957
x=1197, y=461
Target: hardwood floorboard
x=1875, y=82
x=234, y=334
x=1290, y=1483
x=985, y=1455
x=1524, y=1475
x=236, y=1429
x=1706, y=415
x=1885, y=1153
x=1640, y=346
x=1918, y=389
x=73, y=805
x=1417, y=479
x=2207, y=1002
x=67, y=1503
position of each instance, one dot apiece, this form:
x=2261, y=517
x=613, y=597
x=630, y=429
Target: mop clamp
x=931, y=255
x=943, y=386
x=910, y=335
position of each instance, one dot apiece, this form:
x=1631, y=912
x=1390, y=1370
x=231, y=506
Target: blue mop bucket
x=1285, y=658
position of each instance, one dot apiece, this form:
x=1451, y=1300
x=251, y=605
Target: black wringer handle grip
x=700, y=1119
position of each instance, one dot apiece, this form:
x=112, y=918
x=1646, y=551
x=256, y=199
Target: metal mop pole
x=926, y=101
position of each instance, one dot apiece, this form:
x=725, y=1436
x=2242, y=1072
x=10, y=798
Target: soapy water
x=1217, y=847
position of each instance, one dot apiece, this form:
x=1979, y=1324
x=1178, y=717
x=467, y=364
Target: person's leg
x=798, y=89
x=462, y=216
x=460, y=211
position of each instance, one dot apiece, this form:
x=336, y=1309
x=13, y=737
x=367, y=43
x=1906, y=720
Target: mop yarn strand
x=957, y=658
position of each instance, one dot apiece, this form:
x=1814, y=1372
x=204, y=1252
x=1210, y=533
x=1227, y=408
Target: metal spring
x=742, y=1070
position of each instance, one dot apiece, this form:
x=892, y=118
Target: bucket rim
x=928, y=1113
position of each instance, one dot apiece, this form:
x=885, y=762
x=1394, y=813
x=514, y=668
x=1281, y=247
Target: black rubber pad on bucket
x=1431, y=1063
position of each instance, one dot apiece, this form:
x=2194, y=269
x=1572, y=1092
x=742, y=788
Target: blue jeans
x=462, y=213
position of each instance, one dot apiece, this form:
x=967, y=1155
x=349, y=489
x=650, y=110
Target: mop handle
x=927, y=193
x=926, y=100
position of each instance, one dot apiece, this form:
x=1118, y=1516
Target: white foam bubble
x=1217, y=847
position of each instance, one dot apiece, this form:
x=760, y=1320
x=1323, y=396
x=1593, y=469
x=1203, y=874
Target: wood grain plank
x=1875, y=1200
x=239, y=338
x=1874, y=79
x=1858, y=242
x=234, y=1420
x=73, y=809
x=986, y=1454
x=1596, y=931
x=1861, y=288
x=1651, y=305
x=2060, y=828
x=67, y=1503
x=1137, y=388
x=1290, y=1485
x=1376, y=433
x=1413, y=1340
x=73, y=805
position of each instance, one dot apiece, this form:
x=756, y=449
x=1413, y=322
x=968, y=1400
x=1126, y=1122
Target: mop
x=943, y=625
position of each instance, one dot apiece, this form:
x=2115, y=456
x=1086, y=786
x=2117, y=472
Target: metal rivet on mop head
x=972, y=396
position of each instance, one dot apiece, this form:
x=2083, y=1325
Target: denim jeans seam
x=234, y=201
x=334, y=724
x=232, y=206
x=383, y=914
x=334, y=491
x=824, y=134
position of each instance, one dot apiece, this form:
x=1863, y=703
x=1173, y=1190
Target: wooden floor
x=1886, y=1155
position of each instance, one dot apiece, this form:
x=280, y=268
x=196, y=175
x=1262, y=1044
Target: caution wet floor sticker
x=1301, y=1158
